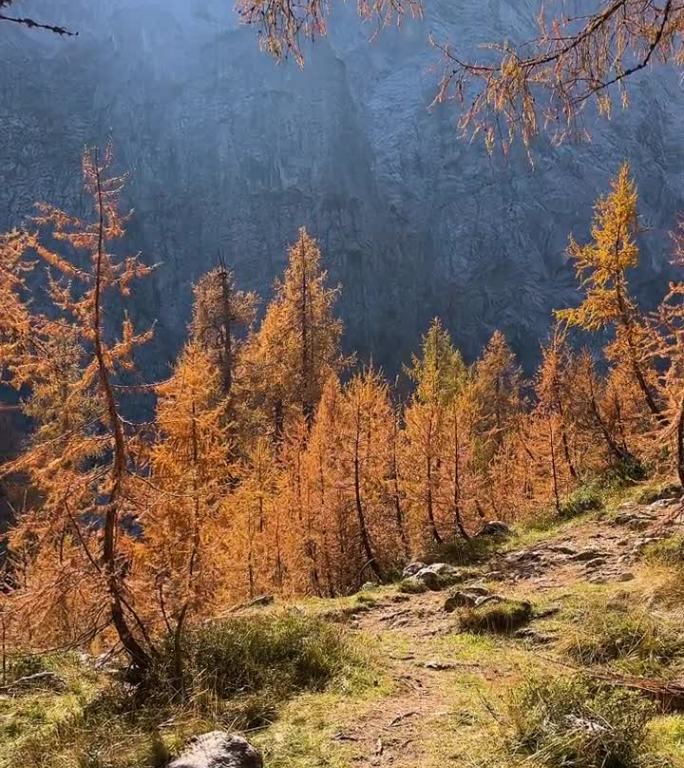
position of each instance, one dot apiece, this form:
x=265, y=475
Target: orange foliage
x=263, y=471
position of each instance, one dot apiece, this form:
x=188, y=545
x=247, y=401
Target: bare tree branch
x=25, y=21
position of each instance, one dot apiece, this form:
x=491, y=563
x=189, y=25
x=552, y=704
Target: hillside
x=429, y=687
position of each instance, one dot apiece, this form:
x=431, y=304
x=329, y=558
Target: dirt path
x=409, y=628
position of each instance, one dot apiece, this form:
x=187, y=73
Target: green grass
x=666, y=733
x=412, y=586
x=570, y=722
x=586, y=498
x=460, y=551
x=668, y=552
x=266, y=655
x=608, y=632
x=239, y=674
x=502, y=617
x=653, y=493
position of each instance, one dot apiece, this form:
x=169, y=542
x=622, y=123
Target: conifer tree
x=667, y=350
x=438, y=374
x=602, y=410
x=330, y=518
x=189, y=475
x=395, y=481
x=73, y=537
x=552, y=390
x=365, y=433
x=496, y=390
x=220, y=312
x=602, y=267
x=459, y=456
x=256, y=525
x=298, y=343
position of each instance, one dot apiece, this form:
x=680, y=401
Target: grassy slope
x=459, y=716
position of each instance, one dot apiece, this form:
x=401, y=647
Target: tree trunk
x=398, y=512
x=680, y=443
x=363, y=528
x=458, y=519
x=113, y=578
x=227, y=372
x=554, y=470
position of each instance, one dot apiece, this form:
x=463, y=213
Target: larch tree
x=601, y=414
x=365, y=439
x=30, y=22
x=189, y=477
x=257, y=526
x=298, y=501
x=395, y=481
x=438, y=374
x=462, y=485
x=517, y=91
x=667, y=349
x=284, y=25
x=329, y=515
x=298, y=343
x=221, y=314
x=602, y=266
x=497, y=393
x=552, y=389
x=72, y=540
x=497, y=401
x=514, y=90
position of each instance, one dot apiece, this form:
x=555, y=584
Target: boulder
x=469, y=597
x=534, y=636
x=625, y=576
x=459, y=599
x=412, y=569
x=589, y=554
x=495, y=528
x=439, y=576
x=218, y=749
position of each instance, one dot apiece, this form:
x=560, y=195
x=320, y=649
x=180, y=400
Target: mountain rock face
x=229, y=153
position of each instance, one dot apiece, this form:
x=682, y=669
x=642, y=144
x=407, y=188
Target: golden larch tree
x=72, y=541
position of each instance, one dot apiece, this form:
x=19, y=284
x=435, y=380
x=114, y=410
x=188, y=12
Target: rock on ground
x=218, y=749
x=495, y=528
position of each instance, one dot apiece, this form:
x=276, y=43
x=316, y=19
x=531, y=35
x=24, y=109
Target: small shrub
x=586, y=498
x=364, y=599
x=412, y=586
x=574, y=723
x=651, y=495
x=608, y=634
x=462, y=551
x=281, y=653
x=624, y=473
x=668, y=552
x=24, y=665
x=503, y=617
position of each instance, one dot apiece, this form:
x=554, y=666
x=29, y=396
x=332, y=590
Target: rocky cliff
x=230, y=153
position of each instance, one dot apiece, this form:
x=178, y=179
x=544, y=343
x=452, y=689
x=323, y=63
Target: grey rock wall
x=231, y=153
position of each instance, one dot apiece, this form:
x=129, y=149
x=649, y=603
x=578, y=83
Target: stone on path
x=218, y=749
